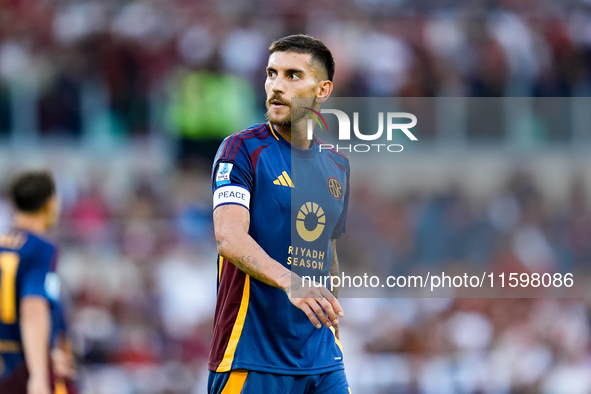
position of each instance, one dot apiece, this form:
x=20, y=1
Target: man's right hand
x=318, y=303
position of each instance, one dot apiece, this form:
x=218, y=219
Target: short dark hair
x=302, y=43
x=30, y=191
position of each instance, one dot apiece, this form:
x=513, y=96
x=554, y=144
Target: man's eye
x=271, y=74
x=294, y=76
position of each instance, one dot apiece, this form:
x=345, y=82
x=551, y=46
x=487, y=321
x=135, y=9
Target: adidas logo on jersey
x=284, y=180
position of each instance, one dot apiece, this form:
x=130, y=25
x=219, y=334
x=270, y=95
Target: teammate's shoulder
x=37, y=241
x=29, y=245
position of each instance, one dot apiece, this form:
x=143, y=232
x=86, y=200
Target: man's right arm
x=231, y=224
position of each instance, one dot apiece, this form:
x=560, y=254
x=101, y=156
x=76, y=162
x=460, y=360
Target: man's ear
x=47, y=206
x=50, y=209
x=324, y=91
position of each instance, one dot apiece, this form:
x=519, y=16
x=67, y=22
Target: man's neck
x=30, y=222
x=295, y=134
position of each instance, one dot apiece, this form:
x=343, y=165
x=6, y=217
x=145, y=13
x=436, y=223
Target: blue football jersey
x=298, y=202
x=27, y=262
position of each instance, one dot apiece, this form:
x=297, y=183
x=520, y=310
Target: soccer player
x=29, y=290
x=270, y=333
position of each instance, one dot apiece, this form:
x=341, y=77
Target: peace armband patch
x=231, y=194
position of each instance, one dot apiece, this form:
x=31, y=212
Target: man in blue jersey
x=29, y=291
x=272, y=224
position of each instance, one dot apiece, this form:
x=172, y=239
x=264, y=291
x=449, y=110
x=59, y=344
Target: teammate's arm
x=231, y=224
x=34, y=320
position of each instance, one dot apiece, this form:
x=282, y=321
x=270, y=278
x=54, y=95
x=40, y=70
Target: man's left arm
x=338, y=231
x=334, y=271
x=334, y=267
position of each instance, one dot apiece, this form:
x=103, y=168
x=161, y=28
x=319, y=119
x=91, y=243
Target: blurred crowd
x=516, y=228
x=197, y=68
x=468, y=345
x=136, y=250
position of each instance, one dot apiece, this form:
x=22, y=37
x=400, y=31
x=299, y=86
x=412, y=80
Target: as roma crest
x=335, y=188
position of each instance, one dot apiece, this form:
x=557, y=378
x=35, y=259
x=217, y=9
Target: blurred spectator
x=207, y=106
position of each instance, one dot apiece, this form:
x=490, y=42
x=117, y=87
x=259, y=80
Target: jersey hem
x=281, y=371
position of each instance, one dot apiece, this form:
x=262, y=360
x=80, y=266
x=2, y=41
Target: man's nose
x=278, y=85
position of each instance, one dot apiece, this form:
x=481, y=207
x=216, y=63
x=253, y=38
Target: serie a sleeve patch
x=222, y=177
x=231, y=194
